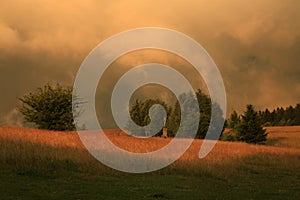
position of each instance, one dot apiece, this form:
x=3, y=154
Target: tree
x=49, y=107
x=139, y=114
x=250, y=129
x=289, y=116
x=297, y=115
x=205, y=108
x=173, y=120
x=234, y=120
x=187, y=115
x=266, y=117
x=279, y=120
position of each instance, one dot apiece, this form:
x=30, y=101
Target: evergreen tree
x=266, y=118
x=297, y=115
x=280, y=117
x=273, y=117
x=250, y=129
x=289, y=116
x=234, y=120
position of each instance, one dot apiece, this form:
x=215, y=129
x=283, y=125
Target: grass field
x=39, y=164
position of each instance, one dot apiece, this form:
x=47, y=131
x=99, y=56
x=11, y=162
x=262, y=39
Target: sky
x=255, y=44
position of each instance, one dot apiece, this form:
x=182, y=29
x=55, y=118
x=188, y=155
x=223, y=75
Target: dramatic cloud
x=256, y=44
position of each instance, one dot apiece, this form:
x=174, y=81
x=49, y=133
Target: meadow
x=38, y=164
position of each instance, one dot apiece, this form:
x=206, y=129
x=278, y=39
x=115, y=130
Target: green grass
x=38, y=171
x=252, y=184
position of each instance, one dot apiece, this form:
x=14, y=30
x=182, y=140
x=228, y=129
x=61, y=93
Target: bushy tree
x=204, y=103
x=49, y=107
x=250, y=129
x=186, y=116
x=173, y=120
x=205, y=108
x=139, y=113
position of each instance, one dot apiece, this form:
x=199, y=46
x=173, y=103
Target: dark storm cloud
x=256, y=44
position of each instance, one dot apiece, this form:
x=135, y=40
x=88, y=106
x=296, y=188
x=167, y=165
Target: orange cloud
x=47, y=40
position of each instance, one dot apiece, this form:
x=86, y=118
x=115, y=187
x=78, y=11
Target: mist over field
x=255, y=44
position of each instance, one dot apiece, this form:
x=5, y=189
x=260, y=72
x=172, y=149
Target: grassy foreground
x=37, y=164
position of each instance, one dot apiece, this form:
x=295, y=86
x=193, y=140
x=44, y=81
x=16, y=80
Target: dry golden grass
x=284, y=136
x=36, y=136
x=283, y=129
x=223, y=152
x=231, y=167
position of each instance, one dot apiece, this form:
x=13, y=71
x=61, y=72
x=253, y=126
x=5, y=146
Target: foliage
x=204, y=104
x=205, y=107
x=234, y=120
x=289, y=116
x=173, y=120
x=139, y=113
x=250, y=128
x=229, y=136
x=184, y=115
x=49, y=107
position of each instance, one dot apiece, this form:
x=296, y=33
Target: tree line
x=247, y=127
x=139, y=113
x=290, y=116
x=50, y=107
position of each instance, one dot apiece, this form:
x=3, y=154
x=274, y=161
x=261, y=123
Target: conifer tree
x=234, y=120
x=250, y=129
